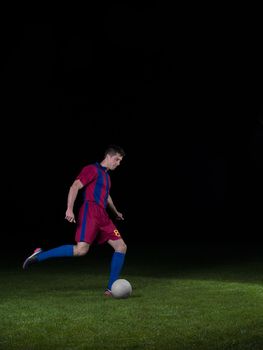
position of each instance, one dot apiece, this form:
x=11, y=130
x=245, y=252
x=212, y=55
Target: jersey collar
x=102, y=167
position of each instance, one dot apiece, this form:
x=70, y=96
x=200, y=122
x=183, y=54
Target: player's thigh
x=86, y=230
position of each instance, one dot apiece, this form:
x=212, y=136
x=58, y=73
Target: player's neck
x=104, y=164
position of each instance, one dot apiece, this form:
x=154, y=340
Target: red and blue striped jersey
x=96, y=182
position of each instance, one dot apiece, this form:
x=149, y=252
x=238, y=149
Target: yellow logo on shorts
x=117, y=233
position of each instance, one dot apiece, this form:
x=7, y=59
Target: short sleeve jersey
x=96, y=182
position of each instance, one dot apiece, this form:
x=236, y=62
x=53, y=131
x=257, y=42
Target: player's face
x=114, y=161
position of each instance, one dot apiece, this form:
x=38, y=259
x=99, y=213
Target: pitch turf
x=59, y=304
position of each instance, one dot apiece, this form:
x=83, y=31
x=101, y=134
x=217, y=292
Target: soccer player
x=93, y=220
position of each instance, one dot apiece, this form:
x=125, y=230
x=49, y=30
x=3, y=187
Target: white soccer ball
x=121, y=289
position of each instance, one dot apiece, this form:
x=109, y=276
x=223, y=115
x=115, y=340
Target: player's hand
x=119, y=216
x=70, y=216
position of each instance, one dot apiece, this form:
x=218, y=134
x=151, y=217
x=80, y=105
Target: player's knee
x=122, y=247
x=81, y=251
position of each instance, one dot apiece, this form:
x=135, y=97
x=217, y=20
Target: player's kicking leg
x=60, y=252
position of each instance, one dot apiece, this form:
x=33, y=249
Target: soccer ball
x=121, y=289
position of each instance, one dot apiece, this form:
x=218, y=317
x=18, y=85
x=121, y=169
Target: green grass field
x=59, y=304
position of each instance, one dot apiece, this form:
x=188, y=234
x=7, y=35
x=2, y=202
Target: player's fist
x=119, y=216
x=70, y=216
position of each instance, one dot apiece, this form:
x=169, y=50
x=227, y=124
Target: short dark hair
x=113, y=149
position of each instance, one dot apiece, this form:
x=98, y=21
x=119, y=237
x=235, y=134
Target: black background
x=180, y=93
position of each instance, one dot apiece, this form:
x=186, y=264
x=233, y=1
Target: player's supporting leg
x=117, y=260
x=63, y=251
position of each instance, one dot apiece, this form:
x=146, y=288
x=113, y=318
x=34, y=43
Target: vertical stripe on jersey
x=98, y=186
x=84, y=222
x=107, y=191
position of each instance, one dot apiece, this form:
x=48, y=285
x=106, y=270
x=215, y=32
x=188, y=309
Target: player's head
x=113, y=156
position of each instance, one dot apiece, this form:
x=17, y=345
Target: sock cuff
x=119, y=253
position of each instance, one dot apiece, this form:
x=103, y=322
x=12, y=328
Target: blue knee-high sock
x=117, y=262
x=62, y=251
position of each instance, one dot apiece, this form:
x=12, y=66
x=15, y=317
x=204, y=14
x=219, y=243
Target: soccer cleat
x=32, y=258
x=108, y=293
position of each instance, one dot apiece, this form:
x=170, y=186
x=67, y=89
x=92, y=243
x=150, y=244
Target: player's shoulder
x=89, y=167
